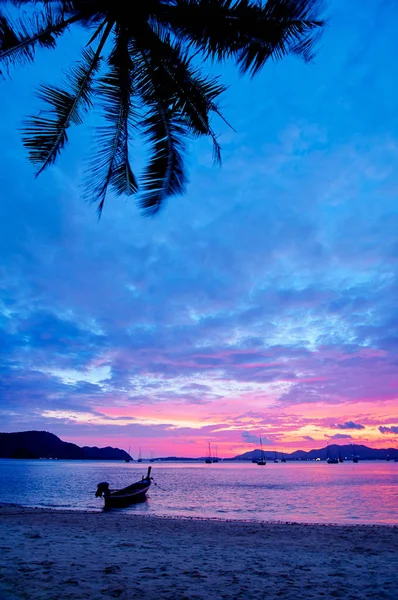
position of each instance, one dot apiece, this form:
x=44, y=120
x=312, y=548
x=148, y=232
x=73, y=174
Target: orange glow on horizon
x=175, y=429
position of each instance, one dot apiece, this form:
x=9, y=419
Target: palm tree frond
x=123, y=180
x=172, y=70
x=205, y=25
x=111, y=165
x=281, y=27
x=251, y=32
x=45, y=136
x=152, y=59
x=96, y=32
x=165, y=174
x=176, y=82
x=164, y=128
x=18, y=40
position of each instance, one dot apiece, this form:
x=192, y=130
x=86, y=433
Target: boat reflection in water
x=126, y=496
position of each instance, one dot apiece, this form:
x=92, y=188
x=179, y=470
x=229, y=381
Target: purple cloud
x=349, y=425
x=267, y=441
x=393, y=429
x=250, y=438
x=199, y=306
x=340, y=436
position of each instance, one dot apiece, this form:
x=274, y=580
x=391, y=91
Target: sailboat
x=262, y=460
x=283, y=459
x=139, y=459
x=329, y=459
x=355, y=458
x=127, y=460
x=152, y=459
x=276, y=458
x=215, y=458
x=208, y=459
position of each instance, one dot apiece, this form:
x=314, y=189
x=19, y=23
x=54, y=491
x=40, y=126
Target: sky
x=264, y=301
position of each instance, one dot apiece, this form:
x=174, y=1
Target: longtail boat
x=126, y=496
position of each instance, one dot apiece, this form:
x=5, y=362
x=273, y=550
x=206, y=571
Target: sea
x=302, y=492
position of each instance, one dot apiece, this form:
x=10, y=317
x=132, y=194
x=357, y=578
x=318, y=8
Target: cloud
x=267, y=441
x=340, y=436
x=250, y=438
x=308, y=437
x=198, y=308
x=349, y=425
x=393, y=429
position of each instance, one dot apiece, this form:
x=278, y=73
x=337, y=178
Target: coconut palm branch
x=248, y=31
x=192, y=96
x=19, y=40
x=143, y=65
x=45, y=136
x=111, y=164
x=164, y=130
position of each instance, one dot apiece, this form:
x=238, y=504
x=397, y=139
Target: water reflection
x=304, y=492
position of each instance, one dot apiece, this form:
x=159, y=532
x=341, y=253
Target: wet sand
x=48, y=554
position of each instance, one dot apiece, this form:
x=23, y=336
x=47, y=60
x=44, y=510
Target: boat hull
x=129, y=495
x=121, y=501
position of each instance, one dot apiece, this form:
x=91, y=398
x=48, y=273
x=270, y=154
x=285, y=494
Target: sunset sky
x=263, y=301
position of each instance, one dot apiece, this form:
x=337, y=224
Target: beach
x=47, y=554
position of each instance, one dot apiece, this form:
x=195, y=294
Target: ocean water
x=310, y=492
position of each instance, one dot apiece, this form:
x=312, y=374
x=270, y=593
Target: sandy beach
x=48, y=554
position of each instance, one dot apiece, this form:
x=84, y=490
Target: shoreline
x=47, y=509
x=46, y=554
x=125, y=513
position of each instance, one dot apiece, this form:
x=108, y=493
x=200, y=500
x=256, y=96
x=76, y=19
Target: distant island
x=42, y=444
x=334, y=451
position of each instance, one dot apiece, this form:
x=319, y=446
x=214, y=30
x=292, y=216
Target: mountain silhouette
x=42, y=444
x=334, y=450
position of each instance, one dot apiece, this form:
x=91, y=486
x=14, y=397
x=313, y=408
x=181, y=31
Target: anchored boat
x=208, y=459
x=126, y=496
x=262, y=460
x=329, y=459
x=355, y=457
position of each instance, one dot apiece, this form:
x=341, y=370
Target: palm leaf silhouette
x=19, y=40
x=143, y=66
x=111, y=164
x=46, y=135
